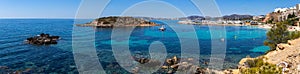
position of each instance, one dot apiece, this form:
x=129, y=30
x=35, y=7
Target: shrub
x=258, y=66
x=294, y=35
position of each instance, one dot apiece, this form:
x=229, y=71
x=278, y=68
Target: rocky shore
x=286, y=59
x=175, y=65
x=109, y=22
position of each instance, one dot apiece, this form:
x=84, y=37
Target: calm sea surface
x=17, y=55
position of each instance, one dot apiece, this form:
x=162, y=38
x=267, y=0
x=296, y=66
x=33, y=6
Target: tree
x=278, y=34
x=270, y=21
x=291, y=19
x=290, y=16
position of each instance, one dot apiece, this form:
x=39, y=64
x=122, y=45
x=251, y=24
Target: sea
x=16, y=54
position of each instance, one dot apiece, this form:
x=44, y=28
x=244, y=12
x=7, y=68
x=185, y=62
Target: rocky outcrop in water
x=109, y=22
x=176, y=65
x=42, y=39
x=7, y=70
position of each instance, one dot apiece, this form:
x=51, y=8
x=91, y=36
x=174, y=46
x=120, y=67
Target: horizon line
x=117, y=15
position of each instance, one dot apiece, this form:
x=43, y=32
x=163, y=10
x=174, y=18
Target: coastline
x=217, y=24
x=213, y=24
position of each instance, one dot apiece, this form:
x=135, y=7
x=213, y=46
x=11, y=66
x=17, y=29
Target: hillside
x=285, y=58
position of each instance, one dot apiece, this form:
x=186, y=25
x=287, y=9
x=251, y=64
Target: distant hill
x=237, y=17
x=226, y=17
x=196, y=17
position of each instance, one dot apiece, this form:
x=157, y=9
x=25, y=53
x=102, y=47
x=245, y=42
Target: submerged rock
x=43, y=39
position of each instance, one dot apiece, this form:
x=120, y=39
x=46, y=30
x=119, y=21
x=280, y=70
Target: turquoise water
x=17, y=55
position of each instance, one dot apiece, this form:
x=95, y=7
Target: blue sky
x=68, y=8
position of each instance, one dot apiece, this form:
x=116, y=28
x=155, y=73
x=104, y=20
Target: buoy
x=235, y=37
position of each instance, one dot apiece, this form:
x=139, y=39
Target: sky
x=167, y=8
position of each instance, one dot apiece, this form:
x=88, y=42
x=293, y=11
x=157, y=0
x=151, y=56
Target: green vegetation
x=279, y=34
x=294, y=35
x=291, y=19
x=108, y=20
x=123, y=20
x=255, y=63
x=270, y=21
x=292, y=16
x=258, y=66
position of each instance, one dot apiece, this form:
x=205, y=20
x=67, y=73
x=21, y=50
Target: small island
x=114, y=21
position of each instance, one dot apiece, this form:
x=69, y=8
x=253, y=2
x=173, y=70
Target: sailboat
x=162, y=28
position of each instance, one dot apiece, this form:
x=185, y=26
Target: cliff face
x=286, y=57
x=288, y=54
x=119, y=22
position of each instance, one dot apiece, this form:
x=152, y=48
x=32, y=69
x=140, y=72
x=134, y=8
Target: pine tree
x=278, y=34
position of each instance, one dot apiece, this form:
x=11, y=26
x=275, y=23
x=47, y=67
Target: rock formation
x=43, y=39
x=177, y=65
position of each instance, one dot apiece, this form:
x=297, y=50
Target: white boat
x=222, y=39
x=162, y=28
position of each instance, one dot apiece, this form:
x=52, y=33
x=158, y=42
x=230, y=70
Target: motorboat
x=162, y=28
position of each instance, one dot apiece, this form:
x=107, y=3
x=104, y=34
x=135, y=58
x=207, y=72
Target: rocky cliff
x=286, y=59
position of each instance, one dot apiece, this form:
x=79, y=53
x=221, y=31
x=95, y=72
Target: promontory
x=116, y=21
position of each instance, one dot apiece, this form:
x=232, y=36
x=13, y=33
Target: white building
x=293, y=8
x=258, y=17
x=280, y=9
x=297, y=7
x=284, y=12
